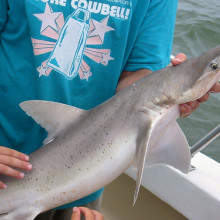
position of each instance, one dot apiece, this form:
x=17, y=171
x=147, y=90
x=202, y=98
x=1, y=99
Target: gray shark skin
x=86, y=150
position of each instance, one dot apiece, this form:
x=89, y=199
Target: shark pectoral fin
x=161, y=140
x=52, y=116
x=171, y=148
x=142, y=143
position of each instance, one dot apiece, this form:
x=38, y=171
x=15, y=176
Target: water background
x=197, y=30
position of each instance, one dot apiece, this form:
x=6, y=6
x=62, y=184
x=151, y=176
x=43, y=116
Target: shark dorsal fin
x=52, y=116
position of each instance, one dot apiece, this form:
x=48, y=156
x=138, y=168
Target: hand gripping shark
x=86, y=150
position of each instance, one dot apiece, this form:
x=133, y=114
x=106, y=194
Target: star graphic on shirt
x=42, y=70
x=105, y=58
x=101, y=28
x=87, y=74
x=48, y=18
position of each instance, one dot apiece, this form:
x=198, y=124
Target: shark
x=87, y=149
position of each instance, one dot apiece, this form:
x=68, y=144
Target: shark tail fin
x=52, y=116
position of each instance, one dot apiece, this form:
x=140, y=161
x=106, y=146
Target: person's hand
x=88, y=213
x=187, y=108
x=10, y=159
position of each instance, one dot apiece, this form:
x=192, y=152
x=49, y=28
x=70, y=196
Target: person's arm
x=129, y=77
x=10, y=159
x=152, y=48
x=88, y=213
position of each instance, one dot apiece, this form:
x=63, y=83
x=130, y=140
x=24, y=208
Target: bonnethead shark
x=86, y=150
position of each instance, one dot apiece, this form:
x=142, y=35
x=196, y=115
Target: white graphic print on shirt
x=72, y=36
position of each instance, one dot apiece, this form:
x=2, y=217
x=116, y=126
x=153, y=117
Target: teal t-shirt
x=73, y=52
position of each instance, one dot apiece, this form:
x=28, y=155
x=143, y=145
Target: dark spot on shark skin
x=3, y=89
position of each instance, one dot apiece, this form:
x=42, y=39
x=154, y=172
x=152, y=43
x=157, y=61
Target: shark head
x=198, y=75
x=182, y=83
x=209, y=76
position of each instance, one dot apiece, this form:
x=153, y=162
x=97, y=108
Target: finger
x=185, y=110
x=13, y=153
x=98, y=216
x=215, y=88
x=204, y=98
x=89, y=214
x=14, y=162
x=76, y=214
x=193, y=105
x=2, y=185
x=8, y=171
x=179, y=58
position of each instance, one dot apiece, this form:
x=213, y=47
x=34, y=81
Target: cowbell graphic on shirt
x=73, y=37
x=71, y=42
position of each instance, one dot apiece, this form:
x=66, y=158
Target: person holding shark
x=11, y=159
x=33, y=49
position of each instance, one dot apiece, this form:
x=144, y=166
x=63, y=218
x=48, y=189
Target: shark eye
x=214, y=65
